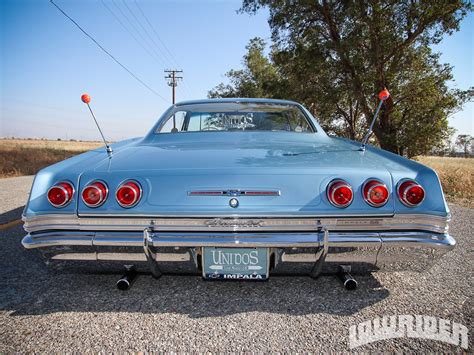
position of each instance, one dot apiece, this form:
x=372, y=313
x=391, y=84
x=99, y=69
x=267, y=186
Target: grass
x=456, y=175
x=25, y=157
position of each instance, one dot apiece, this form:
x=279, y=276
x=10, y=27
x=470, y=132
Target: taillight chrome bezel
x=68, y=198
x=366, y=194
x=139, y=192
x=402, y=195
x=102, y=198
x=331, y=189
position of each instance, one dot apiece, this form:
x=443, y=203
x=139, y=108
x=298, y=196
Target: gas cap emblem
x=233, y=202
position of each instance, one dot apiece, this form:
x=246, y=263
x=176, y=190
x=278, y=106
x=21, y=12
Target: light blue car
x=240, y=189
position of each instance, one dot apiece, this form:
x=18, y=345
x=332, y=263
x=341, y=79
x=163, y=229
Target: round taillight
x=375, y=193
x=339, y=193
x=95, y=194
x=411, y=193
x=128, y=194
x=60, y=194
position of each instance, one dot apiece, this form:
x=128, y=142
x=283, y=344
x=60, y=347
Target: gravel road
x=44, y=310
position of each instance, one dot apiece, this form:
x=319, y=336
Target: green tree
x=465, y=141
x=259, y=78
x=334, y=56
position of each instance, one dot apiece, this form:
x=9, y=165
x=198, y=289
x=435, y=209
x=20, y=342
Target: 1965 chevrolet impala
x=240, y=188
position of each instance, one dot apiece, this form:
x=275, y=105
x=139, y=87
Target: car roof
x=236, y=100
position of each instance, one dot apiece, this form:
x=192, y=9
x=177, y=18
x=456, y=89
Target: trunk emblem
x=233, y=202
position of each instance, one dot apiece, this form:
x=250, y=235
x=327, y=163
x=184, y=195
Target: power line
x=57, y=110
x=170, y=56
x=152, y=41
x=131, y=34
x=106, y=52
x=188, y=90
x=143, y=39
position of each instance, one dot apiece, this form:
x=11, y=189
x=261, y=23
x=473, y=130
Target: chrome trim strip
x=407, y=239
x=284, y=240
x=235, y=192
x=232, y=215
x=140, y=257
x=436, y=224
x=417, y=239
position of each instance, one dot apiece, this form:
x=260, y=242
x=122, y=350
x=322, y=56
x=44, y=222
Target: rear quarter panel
x=67, y=170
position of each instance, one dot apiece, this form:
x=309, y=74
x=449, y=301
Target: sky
x=46, y=63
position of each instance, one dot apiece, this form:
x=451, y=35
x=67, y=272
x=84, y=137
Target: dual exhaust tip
x=126, y=281
x=346, y=278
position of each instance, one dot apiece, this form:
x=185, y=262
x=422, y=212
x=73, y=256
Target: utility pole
x=173, y=81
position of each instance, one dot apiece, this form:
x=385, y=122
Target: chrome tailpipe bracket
x=321, y=254
x=150, y=255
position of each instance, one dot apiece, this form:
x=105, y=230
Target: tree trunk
x=390, y=146
x=384, y=130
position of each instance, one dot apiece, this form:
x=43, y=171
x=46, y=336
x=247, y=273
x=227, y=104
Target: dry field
x=25, y=157
x=456, y=175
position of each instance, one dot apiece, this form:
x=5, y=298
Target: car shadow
x=11, y=215
x=29, y=287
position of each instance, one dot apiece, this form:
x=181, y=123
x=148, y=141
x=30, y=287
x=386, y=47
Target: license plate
x=235, y=263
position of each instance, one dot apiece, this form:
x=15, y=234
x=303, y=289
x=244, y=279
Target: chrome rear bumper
x=291, y=252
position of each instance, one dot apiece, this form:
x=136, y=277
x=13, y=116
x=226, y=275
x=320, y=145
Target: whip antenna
x=383, y=95
x=87, y=99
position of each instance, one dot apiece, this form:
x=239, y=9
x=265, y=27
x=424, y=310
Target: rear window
x=236, y=117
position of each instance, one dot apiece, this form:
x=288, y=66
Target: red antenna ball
x=384, y=95
x=86, y=98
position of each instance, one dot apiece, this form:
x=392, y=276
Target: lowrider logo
x=219, y=222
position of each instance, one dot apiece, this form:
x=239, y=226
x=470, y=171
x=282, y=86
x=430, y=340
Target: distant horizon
x=457, y=149
x=47, y=63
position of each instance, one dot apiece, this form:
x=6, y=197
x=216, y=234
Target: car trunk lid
x=299, y=172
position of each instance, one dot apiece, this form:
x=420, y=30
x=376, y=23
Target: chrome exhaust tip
x=347, y=280
x=350, y=283
x=125, y=282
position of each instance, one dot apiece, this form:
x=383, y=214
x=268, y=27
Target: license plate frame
x=230, y=263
